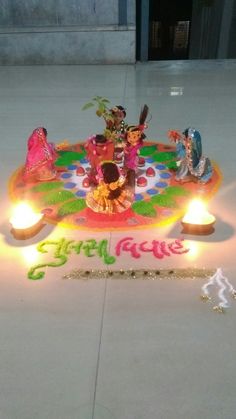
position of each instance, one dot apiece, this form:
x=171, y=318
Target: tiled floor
x=117, y=349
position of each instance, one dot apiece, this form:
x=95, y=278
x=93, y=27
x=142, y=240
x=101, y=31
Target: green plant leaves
x=100, y=99
x=87, y=106
x=100, y=102
x=105, y=100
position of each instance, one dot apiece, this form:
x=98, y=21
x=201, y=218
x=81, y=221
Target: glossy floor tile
x=118, y=348
x=163, y=355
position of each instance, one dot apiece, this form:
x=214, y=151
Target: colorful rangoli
x=158, y=198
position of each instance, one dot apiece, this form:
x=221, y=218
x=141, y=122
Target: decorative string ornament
x=140, y=274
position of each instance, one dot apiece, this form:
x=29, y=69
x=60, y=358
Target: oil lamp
x=25, y=221
x=198, y=220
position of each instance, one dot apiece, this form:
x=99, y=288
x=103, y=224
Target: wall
x=67, y=31
x=232, y=34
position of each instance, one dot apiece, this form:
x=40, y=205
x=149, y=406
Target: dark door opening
x=163, y=29
x=169, y=29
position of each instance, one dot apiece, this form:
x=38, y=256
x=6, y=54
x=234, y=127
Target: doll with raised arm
x=41, y=156
x=177, y=138
x=110, y=196
x=134, y=141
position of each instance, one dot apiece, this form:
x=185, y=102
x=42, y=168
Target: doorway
x=166, y=31
x=169, y=29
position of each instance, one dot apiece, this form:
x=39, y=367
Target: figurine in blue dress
x=193, y=165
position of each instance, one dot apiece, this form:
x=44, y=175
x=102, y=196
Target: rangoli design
x=159, y=198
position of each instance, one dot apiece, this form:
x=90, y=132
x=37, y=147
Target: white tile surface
x=163, y=354
x=118, y=349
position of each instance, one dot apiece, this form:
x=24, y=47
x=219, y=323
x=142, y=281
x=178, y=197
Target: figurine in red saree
x=41, y=156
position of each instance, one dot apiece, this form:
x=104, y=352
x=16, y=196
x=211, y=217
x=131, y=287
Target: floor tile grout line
x=99, y=350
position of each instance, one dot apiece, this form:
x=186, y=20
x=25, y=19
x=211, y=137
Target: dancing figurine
x=41, y=156
x=134, y=141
